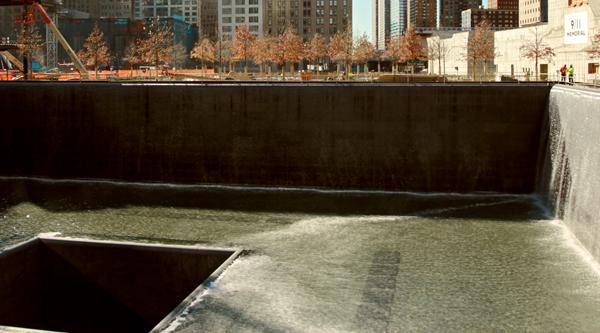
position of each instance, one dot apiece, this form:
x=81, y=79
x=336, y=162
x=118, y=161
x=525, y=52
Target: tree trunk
x=366, y=68
x=283, y=71
x=536, y=68
x=96, y=69
x=485, y=69
x=26, y=67
x=444, y=66
x=348, y=70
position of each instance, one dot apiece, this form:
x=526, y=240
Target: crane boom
x=80, y=68
x=12, y=59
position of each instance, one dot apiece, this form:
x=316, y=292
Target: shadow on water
x=375, y=311
x=78, y=195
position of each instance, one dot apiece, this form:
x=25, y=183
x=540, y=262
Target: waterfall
x=573, y=162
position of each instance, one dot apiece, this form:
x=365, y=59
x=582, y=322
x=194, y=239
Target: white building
x=568, y=31
x=233, y=13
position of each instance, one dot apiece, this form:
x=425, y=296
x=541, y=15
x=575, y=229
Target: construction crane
x=5, y=45
x=28, y=17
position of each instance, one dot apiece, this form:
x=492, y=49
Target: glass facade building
x=397, y=18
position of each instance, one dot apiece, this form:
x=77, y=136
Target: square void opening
x=79, y=286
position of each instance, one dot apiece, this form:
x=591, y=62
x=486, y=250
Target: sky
x=361, y=16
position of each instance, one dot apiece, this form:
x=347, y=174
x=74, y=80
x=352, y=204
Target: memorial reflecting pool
x=333, y=261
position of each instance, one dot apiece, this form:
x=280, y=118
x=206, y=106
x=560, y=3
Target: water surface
x=326, y=261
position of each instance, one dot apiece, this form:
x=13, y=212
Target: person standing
x=563, y=73
x=571, y=71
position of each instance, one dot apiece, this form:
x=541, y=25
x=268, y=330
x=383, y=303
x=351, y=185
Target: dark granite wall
x=458, y=138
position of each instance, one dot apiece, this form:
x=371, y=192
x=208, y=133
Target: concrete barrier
x=448, y=138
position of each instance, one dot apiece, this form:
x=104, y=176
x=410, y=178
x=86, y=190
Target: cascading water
x=322, y=260
x=573, y=162
x=325, y=261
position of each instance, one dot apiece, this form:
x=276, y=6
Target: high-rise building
x=233, y=13
x=186, y=11
x=532, y=12
x=374, y=21
x=86, y=6
x=450, y=11
x=116, y=8
x=503, y=4
x=102, y=8
x=421, y=13
x=397, y=18
x=381, y=23
x=389, y=20
x=307, y=17
x=8, y=16
x=209, y=19
x=499, y=19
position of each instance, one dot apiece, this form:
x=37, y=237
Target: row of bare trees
x=157, y=47
x=289, y=49
x=285, y=49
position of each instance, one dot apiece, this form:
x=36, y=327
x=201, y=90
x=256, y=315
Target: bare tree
x=393, y=53
x=288, y=49
x=294, y=47
x=438, y=50
x=364, y=51
x=411, y=47
x=536, y=49
x=263, y=52
x=243, y=44
x=180, y=55
x=317, y=50
x=278, y=53
x=480, y=48
x=95, y=50
x=341, y=48
x=224, y=53
x=594, y=50
x=204, y=51
x=132, y=55
x=29, y=42
x=157, y=47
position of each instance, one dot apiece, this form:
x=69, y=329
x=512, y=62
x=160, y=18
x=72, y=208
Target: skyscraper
x=387, y=15
x=503, y=4
x=383, y=24
x=187, y=11
x=115, y=8
x=450, y=11
x=209, y=19
x=103, y=8
x=421, y=13
x=532, y=12
x=397, y=18
x=307, y=17
x=233, y=13
x=8, y=16
x=86, y=6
